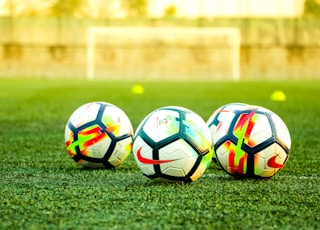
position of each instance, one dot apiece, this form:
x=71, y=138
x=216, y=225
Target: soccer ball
x=250, y=141
x=99, y=135
x=173, y=144
x=221, y=114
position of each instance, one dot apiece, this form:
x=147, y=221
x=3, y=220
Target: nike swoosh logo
x=273, y=164
x=150, y=161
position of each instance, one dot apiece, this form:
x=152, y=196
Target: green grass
x=42, y=188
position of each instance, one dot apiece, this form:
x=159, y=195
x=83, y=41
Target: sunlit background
x=160, y=39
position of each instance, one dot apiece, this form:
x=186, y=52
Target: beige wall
x=256, y=64
x=271, y=49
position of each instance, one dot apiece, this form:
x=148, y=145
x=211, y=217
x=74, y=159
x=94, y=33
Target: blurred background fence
x=51, y=42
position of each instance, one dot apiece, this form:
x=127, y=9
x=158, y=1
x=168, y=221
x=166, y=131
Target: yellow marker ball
x=137, y=89
x=278, y=95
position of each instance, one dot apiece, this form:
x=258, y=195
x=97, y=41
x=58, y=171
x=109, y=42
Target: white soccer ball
x=250, y=141
x=173, y=143
x=99, y=135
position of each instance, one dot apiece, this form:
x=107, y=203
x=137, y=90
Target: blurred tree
x=170, y=11
x=312, y=8
x=67, y=8
x=135, y=8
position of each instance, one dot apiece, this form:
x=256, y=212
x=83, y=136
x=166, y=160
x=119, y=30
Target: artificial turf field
x=42, y=188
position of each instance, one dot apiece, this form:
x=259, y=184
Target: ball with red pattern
x=99, y=135
x=250, y=141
